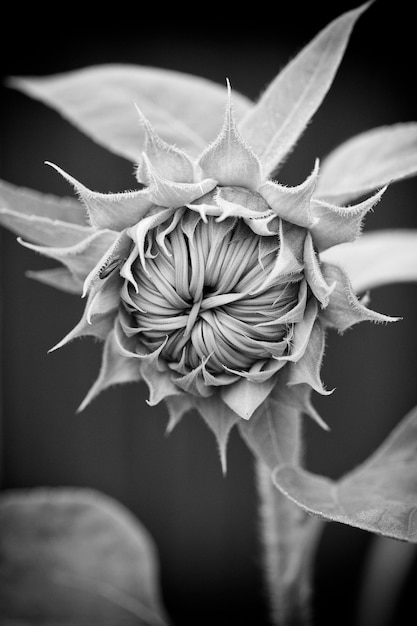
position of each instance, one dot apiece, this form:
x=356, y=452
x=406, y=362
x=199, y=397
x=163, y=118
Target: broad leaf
x=377, y=258
x=184, y=110
x=74, y=556
x=370, y=160
x=273, y=126
x=379, y=496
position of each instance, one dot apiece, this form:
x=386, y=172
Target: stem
x=289, y=539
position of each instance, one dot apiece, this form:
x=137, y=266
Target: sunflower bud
x=204, y=300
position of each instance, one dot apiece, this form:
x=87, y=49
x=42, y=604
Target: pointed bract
x=115, y=369
x=220, y=419
x=344, y=309
x=168, y=160
x=114, y=211
x=229, y=160
x=335, y=224
x=292, y=203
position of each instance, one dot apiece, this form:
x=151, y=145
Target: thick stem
x=289, y=539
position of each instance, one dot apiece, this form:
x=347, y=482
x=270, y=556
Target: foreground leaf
x=184, y=110
x=368, y=161
x=273, y=126
x=74, y=556
x=377, y=258
x=379, y=496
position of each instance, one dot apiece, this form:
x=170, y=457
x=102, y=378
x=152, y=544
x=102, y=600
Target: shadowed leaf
x=184, y=110
x=76, y=557
x=379, y=496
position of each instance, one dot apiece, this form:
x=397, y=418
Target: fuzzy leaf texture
x=184, y=110
x=74, y=556
x=274, y=125
x=379, y=496
x=369, y=160
x=377, y=258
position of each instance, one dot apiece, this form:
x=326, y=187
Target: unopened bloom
x=207, y=282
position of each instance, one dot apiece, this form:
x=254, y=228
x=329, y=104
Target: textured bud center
x=201, y=295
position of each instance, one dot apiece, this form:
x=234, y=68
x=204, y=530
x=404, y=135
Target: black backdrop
x=204, y=525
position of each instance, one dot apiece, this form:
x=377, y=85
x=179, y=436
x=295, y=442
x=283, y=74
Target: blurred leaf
x=370, y=160
x=184, y=110
x=72, y=557
x=30, y=203
x=377, y=258
x=379, y=496
x=273, y=126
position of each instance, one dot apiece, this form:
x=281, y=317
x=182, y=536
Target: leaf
x=184, y=110
x=377, y=258
x=80, y=258
x=29, y=202
x=273, y=126
x=42, y=229
x=76, y=557
x=370, y=160
x=58, y=277
x=379, y=496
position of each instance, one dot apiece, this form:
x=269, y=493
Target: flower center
x=201, y=295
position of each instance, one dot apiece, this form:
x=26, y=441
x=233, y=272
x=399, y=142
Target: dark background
x=205, y=525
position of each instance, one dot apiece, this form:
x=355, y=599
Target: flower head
x=209, y=282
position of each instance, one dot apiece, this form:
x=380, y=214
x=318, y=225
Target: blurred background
x=204, y=524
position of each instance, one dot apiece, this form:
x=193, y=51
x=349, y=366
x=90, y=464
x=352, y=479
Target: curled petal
x=168, y=160
x=194, y=382
x=292, y=203
x=344, y=309
x=335, y=224
x=244, y=396
x=289, y=258
x=313, y=273
x=110, y=261
x=302, y=333
x=81, y=257
x=115, y=369
x=229, y=159
x=115, y=211
x=307, y=369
